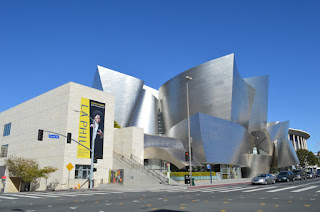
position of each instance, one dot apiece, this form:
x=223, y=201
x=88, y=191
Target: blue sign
x=54, y=136
x=208, y=166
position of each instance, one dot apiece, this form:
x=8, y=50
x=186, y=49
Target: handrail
x=133, y=163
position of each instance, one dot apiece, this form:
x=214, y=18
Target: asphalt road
x=294, y=196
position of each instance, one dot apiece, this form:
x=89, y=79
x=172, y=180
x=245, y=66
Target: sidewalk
x=159, y=187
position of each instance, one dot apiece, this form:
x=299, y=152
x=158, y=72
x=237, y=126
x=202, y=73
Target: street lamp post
x=188, y=78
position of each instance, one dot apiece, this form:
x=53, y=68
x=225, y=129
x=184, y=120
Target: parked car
x=263, y=179
x=318, y=173
x=285, y=176
x=299, y=174
x=310, y=175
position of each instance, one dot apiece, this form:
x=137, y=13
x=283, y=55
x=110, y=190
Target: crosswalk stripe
x=304, y=189
x=259, y=189
x=237, y=189
x=285, y=188
x=43, y=195
x=5, y=197
x=24, y=195
x=75, y=194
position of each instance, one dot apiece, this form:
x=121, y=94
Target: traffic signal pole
x=91, y=150
x=66, y=137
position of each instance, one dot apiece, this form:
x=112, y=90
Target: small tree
x=116, y=125
x=26, y=169
x=45, y=173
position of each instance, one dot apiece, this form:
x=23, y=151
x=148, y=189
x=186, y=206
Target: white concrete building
x=57, y=111
x=298, y=138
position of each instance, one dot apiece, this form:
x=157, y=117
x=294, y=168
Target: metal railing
x=133, y=162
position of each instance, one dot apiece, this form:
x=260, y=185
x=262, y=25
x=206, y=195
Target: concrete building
x=228, y=126
x=298, y=138
x=55, y=111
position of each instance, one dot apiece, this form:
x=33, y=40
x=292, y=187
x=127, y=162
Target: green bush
x=182, y=174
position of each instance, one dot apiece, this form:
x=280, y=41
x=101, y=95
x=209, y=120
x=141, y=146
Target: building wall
x=298, y=138
x=129, y=141
x=54, y=111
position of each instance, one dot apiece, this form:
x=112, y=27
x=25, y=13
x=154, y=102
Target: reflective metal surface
x=215, y=140
x=167, y=149
x=146, y=114
x=259, y=111
x=228, y=122
x=284, y=154
x=126, y=89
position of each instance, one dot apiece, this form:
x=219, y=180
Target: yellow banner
x=84, y=129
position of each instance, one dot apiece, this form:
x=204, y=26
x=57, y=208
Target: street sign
x=69, y=166
x=208, y=166
x=54, y=136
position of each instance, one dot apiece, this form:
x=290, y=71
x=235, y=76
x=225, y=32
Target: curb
x=205, y=186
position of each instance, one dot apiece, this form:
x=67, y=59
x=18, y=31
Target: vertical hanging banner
x=97, y=113
x=84, y=129
x=91, y=110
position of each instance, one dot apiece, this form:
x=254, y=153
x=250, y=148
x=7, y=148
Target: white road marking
x=43, y=195
x=259, y=189
x=5, y=197
x=236, y=189
x=285, y=188
x=304, y=189
x=23, y=195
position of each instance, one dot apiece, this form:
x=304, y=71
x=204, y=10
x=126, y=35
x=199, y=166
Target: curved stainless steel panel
x=242, y=99
x=172, y=155
x=166, y=148
x=162, y=141
x=259, y=111
x=284, y=154
x=212, y=136
x=126, y=90
x=210, y=92
x=146, y=114
x=258, y=164
x=216, y=89
x=263, y=141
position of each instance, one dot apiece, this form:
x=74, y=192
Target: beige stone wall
x=129, y=141
x=54, y=111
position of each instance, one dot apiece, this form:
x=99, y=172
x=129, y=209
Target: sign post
x=4, y=178
x=168, y=173
x=69, y=167
x=209, y=167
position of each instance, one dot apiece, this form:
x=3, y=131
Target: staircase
x=133, y=163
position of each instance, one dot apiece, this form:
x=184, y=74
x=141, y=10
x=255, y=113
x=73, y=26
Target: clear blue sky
x=45, y=44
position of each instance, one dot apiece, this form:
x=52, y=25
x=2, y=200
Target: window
x=82, y=171
x=7, y=129
x=4, y=151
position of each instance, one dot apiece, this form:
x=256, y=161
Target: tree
x=26, y=169
x=306, y=157
x=45, y=173
x=116, y=125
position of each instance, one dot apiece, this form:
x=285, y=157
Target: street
x=292, y=196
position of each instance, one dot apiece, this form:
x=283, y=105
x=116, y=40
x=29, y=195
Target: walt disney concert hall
x=228, y=117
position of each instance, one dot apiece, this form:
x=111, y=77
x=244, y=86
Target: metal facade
x=228, y=116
